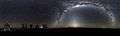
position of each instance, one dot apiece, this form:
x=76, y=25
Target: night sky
x=44, y=11
x=23, y=11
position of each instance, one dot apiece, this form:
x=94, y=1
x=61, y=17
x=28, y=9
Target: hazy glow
x=41, y=27
x=74, y=23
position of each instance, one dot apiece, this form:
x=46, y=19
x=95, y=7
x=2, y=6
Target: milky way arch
x=74, y=4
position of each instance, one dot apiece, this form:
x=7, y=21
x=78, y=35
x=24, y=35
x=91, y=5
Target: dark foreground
x=60, y=30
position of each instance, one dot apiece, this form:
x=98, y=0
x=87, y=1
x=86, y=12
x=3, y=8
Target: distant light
x=74, y=23
x=41, y=27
